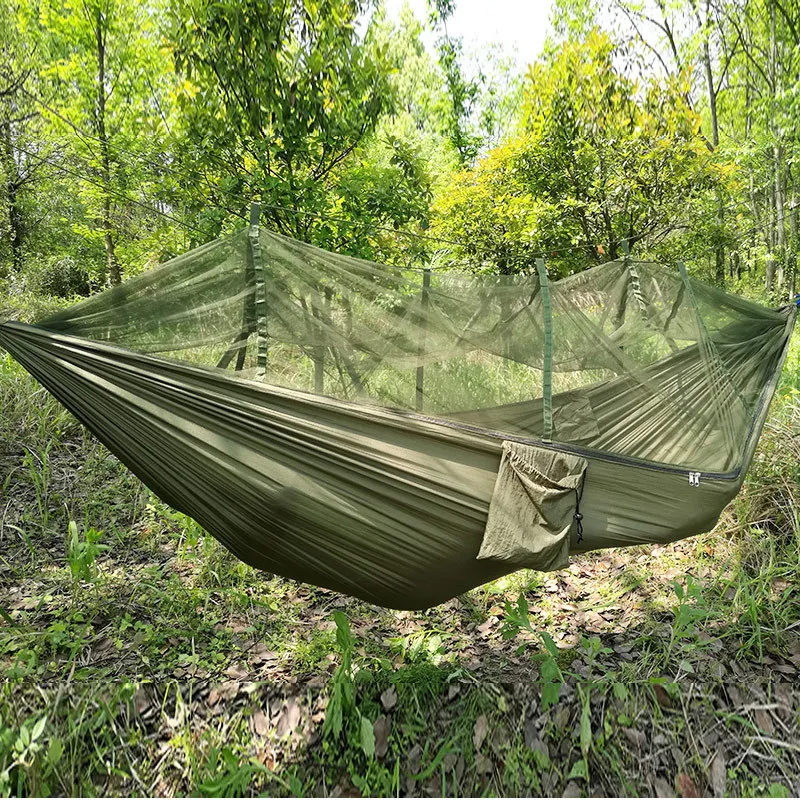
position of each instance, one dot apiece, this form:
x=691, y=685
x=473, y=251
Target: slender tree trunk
x=712, y=91
x=774, y=210
x=791, y=258
x=769, y=281
x=16, y=222
x=108, y=237
x=719, y=252
x=780, y=222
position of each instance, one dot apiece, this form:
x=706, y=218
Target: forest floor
x=139, y=658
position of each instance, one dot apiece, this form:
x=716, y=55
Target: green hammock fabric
x=315, y=460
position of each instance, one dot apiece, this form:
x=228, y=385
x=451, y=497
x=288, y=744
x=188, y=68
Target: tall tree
x=100, y=59
x=602, y=159
x=19, y=163
x=462, y=91
x=274, y=99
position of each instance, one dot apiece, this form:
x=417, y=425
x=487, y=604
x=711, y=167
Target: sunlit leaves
x=602, y=158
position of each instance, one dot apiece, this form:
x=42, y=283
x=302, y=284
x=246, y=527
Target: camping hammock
x=404, y=435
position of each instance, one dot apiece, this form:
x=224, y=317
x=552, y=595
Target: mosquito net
x=630, y=358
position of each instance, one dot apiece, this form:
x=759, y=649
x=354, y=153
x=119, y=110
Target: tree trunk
x=780, y=222
x=791, y=260
x=108, y=237
x=769, y=281
x=16, y=222
x=773, y=198
x=719, y=251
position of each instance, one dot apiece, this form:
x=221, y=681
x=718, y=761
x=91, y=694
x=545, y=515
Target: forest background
x=137, y=656
x=131, y=131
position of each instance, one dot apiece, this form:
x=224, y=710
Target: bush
x=56, y=277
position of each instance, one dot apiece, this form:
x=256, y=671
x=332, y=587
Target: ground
x=139, y=657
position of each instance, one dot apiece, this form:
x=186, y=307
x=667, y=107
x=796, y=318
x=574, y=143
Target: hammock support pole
x=260, y=303
x=420, y=388
x=547, y=366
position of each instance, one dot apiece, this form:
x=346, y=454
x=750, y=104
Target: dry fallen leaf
x=784, y=697
x=381, y=728
x=662, y=696
x=719, y=774
x=389, y=698
x=663, y=789
x=449, y=763
x=500, y=738
x=531, y=732
x=635, y=737
x=483, y=766
x=561, y=717
x=686, y=787
x=260, y=722
x=764, y=721
x=236, y=671
x=141, y=700
x=288, y=719
x=479, y=731
x=414, y=759
x=225, y=691
x=734, y=694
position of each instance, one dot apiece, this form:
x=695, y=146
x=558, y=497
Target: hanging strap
x=635, y=280
x=260, y=289
x=547, y=369
x=424, y=302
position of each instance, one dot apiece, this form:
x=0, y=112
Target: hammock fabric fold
x=391, y=434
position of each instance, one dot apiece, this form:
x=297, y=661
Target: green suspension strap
x=635, y=280
x=260, y=289
x=547, y=369
x=424, y=302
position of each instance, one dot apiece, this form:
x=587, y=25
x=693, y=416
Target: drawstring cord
x=578, y=516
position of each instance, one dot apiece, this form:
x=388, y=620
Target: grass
x=139, y=657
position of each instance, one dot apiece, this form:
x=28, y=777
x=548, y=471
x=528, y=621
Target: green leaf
x=344, y=638
x=550, y=670
x=54, y=752
x=777, y=790
x=549, y=644
x=579, y=770
x=550, y=694
x=38, y=728
x=367, y=737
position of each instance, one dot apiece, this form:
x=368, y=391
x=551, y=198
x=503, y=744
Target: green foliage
x=82, y=551
x=690, y=610
x=517, y=619
x=99, y=85
x=342, y=701
x=29, y=759
x=274, y=101
x=343, y=714
x=601, y=158
x=225, y=775
x=57, y=276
